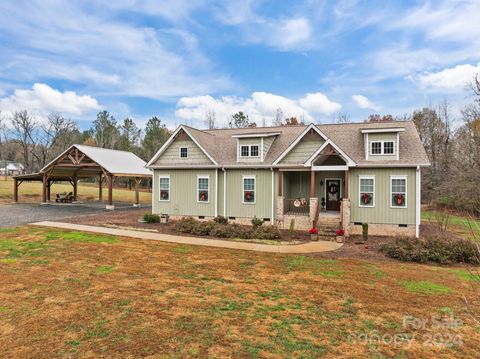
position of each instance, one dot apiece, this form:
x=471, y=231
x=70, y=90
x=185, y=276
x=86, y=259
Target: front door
x=333, y=195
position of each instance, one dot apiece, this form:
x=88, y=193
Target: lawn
x=462, y=225
x=73, y=294
x=32, y=192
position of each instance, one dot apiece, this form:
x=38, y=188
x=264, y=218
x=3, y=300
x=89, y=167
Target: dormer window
x=388, y=148
x=376, y=148
x=249, y=151
x=183, y=152
x=382, y=148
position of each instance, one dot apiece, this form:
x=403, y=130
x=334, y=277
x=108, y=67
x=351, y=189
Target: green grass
x=425, y=287
x=466, y=275
x=82, y=237
x=463, y=223
x=104, y=269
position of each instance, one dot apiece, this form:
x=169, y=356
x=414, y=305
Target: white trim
x=170, y=140
x=238, y=150
x=273, y=197
x=261, y=148
x=208, y=188
x=253, y=135
x=153, y=193
x=169, y=188
x=180, y=153
x=383, y=130
x=365, y=140
x=360, y=177
x=325, y=189
x=216, y=192
x=329, y=168
x=249, y=151
x=344, y=156
x=297, y=140
x=418, y=196
x=397, y=149
x=224, y=192
x=404, y=177
x=373, y=165
x=254, y=177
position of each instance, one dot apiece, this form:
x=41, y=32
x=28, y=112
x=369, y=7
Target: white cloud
x=364, y=102
x=290, y=33
x=260, y=107
x=453, y=79
x=42, y=99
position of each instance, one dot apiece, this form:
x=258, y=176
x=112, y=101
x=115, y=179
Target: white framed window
x=398, y=191
x=183, y=152
x=248, y=190
x=203, y=189
x=382, y=148
x=366, y=191
x=376, y=148
x=249, y=151
x=245, y=151
x=164, y=188
x=388, y=148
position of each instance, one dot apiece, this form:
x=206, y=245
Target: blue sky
x=179, y=60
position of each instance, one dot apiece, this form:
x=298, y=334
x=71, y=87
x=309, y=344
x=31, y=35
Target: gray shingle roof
x=220, y=144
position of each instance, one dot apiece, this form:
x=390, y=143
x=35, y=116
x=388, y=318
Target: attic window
x=388, y=148
x=249, y=150
x=183, y=152
x=376, y=148
x=382, y=148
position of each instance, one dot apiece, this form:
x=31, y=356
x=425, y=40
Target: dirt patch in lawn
x=70, y=295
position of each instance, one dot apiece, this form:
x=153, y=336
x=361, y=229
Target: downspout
x=224, y=192
x=418, y=194
x=273, y=196
x=216, y=192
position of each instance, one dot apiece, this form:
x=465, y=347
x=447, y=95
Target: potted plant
x=313, y=234
x=340, y=235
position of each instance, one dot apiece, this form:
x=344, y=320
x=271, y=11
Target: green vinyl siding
x=267, y=143
x=171, y=156
x=303, y=150
x=183, y=193
x=382, y=213
x=248, y=142
x=262, y=208
x=376, y=137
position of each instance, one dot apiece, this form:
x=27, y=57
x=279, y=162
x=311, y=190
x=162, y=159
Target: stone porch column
x=345, y=216
x=313, y=209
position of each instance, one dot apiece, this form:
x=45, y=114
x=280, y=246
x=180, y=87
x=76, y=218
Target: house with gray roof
x=335, y=176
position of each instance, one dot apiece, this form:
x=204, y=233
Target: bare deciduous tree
x=210, y=119
x=24, y=128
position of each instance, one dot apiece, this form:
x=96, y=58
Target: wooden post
x=44, y=188
x=75, y=185
x=100, y=194
x=110, y=189
x=345, y=194
x=280, y=183
x=15, y=190
x=137, y=195
x=312, y=184
x=49, y=184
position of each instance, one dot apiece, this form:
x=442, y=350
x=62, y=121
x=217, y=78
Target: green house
x=336, y=176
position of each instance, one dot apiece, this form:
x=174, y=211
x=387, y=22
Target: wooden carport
x=80, y=161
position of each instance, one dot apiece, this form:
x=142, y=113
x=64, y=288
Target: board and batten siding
x=183, y=193
x=171, y=156
x=303, y=150
x=262, y=208
x=375, y=137
x=382, y=213
x=267, y=143
x=249, y=141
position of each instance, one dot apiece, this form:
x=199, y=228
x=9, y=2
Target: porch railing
x=296, y=206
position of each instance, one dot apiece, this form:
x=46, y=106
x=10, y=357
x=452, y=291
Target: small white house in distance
x=11, y=168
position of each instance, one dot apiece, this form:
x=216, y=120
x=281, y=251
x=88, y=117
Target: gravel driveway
x=12, y=215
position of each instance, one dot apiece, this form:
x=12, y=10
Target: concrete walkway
x=310, y=247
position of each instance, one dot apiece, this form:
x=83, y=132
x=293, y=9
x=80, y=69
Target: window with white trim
x=248, y=189
x=367, y=191
x=164, y=187
x=183, y=152
x=388, y=148
x=249, y=151
x=376, y=148
x=398, y=190
x=203, y=189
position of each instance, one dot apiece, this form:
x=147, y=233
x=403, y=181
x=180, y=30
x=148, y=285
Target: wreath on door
x=333, y=188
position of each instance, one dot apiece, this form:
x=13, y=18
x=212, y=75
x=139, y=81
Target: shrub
x=221, y=219
x=256, y=222
x=437, y=249
x=292, y=228
x=340, y=232
x=265, y=232
x=151, y=218
x=220, y=231
x=313, y=231
x=203, y=228
x=185, y=225
x=365, y=231
x=238, y=231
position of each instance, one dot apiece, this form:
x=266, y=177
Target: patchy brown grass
x=72, y=294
